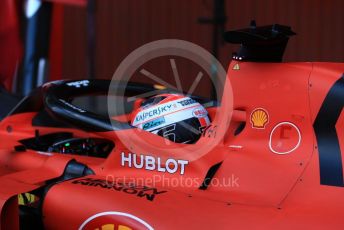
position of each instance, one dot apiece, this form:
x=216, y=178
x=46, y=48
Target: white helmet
x=173, y=116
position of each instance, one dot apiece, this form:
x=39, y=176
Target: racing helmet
x=173, y=116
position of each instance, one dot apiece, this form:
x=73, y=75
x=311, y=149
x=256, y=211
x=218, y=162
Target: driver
x=176, y=117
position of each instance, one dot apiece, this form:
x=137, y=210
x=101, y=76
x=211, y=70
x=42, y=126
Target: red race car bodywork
x=277, y=168
x=276, y=162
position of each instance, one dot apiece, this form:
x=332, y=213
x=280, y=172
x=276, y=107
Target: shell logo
x=113, y=227
x=114, y=221
x=259, y=118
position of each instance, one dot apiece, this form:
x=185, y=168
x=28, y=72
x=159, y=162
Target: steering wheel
x=57, y=96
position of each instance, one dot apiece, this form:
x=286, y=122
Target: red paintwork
x=273, y=191
x=10, y=44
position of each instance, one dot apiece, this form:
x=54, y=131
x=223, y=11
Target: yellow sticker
x=236, y=67
x=26, y=198
x=159, y=87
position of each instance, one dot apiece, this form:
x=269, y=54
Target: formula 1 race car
x=271, y=159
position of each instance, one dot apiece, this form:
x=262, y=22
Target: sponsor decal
x=259, y=118
x=285, y=138
x=78, y=84
x=142, y=116
x=153, y=163
x=114, y=221
x=199, y=112
x=210, y=131
x=153, y=123
x=187, y=102
x=128, y=188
